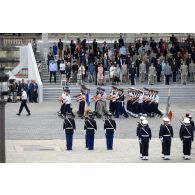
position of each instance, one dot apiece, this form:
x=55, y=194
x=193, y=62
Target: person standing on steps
x=23, y=103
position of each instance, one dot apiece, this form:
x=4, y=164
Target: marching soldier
x=109, y=129
x=145, y=136
x=165, y=135
x=90, y=127
x=186, y=136
x=139, y=126
x=69, y=128
x=184, y=73
x=113, y=95
x=142, y=71
x=151, y=73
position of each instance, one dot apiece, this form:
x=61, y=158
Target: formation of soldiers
x=143, y=132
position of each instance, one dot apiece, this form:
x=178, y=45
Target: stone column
x=2, y=131
x=45, y=37
x=130, y=37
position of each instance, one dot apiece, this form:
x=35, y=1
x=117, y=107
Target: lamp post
x=3, y=91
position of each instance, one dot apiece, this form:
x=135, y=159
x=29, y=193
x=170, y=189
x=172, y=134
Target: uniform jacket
x=164, y=131
x=110, y=125
x=145, y=130
x=90, y=126
x=69, y=125
x=184, y=132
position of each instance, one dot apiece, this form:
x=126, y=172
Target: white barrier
x=27, y=60
x=33, y=72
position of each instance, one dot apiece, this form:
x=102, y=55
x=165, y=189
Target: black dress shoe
x=28, y=114
x=18, y=114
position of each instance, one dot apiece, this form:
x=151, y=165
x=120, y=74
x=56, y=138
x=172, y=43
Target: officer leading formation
x=143, y=133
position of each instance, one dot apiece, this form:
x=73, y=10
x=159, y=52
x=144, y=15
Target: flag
x=169, y=113
x=88, y=97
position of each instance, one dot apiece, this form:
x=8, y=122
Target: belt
x=90, y=128
x=69, y=128
x=166, y=135
x=186, y=136
x=145, y=135
x=109, y=128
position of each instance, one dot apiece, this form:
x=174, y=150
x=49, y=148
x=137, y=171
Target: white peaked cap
x=142, y=118
x=145, y=122
x=166, y=119
x=186, y=120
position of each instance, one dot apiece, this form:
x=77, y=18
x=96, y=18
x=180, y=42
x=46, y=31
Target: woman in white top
x=62, y=67
x=124, y=72
x=112, y=70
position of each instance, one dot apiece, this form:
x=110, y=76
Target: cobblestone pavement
x=125, y=151
x=44, y=124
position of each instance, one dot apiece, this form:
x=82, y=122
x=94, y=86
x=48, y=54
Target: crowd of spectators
x=120, y=62
x=15, y=90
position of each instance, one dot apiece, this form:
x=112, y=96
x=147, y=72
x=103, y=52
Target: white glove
x=161, y=139
x=105, y=131
x=140, y=141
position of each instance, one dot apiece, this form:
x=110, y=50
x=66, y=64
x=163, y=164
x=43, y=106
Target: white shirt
x=68, y=99
x=122, y=50
x=24, y=95
x=63, y=96
x=156, y=99
x=53, y=67
x=62, y=67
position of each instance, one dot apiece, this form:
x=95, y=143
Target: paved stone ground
x=40, y=138
x=45, y=124
x=125, y=151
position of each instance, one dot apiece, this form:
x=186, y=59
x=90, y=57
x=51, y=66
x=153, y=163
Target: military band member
x=69, y=128
x=120, y=108
x=166, y=135
x=156, y=102
x=90, y=127
x=186, y=136
x=139, y=126
x=81, y=99
x=112, y=98
x=145, y=136
x=109, y=129
x=67, y=103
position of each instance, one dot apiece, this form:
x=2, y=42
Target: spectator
x=168, y=73
x=100, y=75
x=60, y=48
x=75, y=68
x=55, y=49
x=112, y=71
x=123, y=76
x=13, y=89
x=52, y=69
x=34, y=46
x=35, y=91
x=68, y=72
x=117, y=73
x=91, y=73
x=62, y=67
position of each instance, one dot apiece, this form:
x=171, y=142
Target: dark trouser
x=167, y=79
x=156, y=110
x=174, y=76
x=133, y=79
x=109, y=140
x=81, y=108
x=86, y=144
x=23, y=104
x=35, y=96
x=166, y=145
x=69, y=138
x=120, y=109
x=187, y=142
x=112, y=107
x=158, y=76
x=90, y=141
x=140, y=148
x=141, y=108
x=66, y=109
x=31, y=96
x=54, y=74
x=145, y=145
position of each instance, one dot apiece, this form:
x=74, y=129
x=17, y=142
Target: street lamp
x=3, y=91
